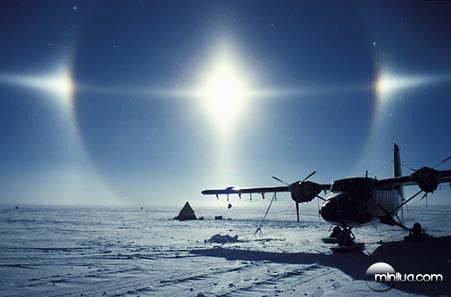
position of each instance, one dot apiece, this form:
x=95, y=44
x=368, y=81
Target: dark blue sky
x=105, y=102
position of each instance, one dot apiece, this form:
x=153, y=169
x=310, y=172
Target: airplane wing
x=426, y=178
x=233, y=190
x=446, y=176
x=302, y=191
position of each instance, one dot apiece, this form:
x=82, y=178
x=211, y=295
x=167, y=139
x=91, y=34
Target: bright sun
x=60, y=84
x=387, y=83
x=224, y=92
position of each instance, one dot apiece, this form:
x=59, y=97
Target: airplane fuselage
x=355, y=201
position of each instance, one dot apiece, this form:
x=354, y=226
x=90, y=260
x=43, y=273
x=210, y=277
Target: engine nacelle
x=304, y=191
x=427, y=179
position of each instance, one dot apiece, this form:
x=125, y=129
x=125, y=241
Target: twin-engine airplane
x=352, y=202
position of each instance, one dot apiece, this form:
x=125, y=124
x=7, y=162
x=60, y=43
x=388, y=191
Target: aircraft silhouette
x=356, y=201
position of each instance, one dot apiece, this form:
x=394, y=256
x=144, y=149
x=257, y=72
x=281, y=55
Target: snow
x=62, y=251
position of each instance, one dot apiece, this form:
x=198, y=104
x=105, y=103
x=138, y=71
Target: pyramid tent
x=186, y=213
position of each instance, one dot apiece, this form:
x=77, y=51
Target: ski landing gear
x=346, y=241
x=417, y=233
x=333, y=235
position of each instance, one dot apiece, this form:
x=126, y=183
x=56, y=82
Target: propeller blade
x=408, y=167
x=441, y=162
x=308, y=176
x=424, y=196
x=297, y=211
x=279, y=180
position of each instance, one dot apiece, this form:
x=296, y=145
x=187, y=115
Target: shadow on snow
x=430, y=256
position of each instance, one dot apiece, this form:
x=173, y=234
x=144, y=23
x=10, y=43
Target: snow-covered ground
x=62, y=251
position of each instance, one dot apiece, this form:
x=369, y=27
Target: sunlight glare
x=60, y=84
x=388, y=84
x=224, y=92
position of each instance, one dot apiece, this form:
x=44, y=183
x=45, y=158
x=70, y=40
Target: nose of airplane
x=329, y=210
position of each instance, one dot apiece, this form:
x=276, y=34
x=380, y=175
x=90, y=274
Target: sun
x=63, y=85
x=59, y=84
x=388, y=83
x=224, y=92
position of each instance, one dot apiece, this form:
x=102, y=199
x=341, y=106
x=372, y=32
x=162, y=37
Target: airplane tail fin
x=397, y=161
x=397, y=172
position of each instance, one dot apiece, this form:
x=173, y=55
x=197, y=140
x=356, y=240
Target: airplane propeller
x=427, y=179
x=297, y=211
x=433, y=167
x=299, y=191
x=308, y=176
x=441, y=162
x=296, y=203
x=279, y=180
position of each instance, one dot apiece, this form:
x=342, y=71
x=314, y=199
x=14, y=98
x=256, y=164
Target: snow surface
x=57, y=251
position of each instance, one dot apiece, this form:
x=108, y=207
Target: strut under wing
x=234, y=190
x=300, y=189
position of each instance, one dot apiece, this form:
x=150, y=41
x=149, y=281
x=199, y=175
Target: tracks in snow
x=188, y=276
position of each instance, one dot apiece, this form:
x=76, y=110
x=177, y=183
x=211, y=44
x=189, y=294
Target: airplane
x=356, y=201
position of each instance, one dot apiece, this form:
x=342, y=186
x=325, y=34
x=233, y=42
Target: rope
x=259, y=228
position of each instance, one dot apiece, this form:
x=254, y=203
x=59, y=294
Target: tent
x=186, y=213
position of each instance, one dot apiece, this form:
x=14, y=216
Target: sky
x=150, y=102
